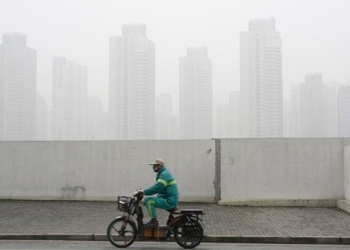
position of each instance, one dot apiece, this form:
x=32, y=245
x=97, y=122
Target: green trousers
x=152, y=203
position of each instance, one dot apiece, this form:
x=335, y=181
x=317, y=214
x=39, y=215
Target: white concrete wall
x=269, y=170
x=102, y=170
x=282, y=169
x=347, y=172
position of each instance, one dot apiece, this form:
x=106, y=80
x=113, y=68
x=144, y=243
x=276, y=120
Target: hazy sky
x=315, y=36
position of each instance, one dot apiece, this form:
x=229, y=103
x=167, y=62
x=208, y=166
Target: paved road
x=69, y=220
x=69, y=217
x=102, y=245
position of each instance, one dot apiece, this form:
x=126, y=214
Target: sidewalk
x=71, y=220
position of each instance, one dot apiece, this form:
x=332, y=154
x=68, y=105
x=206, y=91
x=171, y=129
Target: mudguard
x=130, y=220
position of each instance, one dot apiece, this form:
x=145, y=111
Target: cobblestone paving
x=71, y=217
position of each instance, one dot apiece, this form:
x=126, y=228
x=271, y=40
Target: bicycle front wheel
x=121, y=232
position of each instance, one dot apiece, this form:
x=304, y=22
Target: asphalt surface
x=103, y=245
x=72, y=220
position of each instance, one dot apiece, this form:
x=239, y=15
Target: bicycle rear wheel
x=188, y=234
x=119, y=236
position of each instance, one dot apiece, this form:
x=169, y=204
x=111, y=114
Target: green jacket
x=165, y=187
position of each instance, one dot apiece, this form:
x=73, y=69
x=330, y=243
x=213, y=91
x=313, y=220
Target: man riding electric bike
x=166, y=190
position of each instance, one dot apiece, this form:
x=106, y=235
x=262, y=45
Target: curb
x=331, y=240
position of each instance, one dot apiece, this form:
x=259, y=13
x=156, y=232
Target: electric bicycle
x=184, y=225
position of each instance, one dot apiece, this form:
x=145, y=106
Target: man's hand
x=138, y=192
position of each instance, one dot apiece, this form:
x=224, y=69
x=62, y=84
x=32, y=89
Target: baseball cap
x=157, y=162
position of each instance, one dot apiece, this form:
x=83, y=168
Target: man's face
x=157, y=168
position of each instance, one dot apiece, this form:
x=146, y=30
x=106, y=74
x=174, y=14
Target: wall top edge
x=182, y=140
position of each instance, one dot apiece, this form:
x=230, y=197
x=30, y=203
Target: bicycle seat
x=173, y=210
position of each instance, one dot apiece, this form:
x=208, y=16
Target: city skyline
x=262, y=105
x=311, y=42
x=318, y=115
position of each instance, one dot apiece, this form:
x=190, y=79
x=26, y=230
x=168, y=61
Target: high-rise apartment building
x=234, y=104
x=42, y=118
x=167, y=126
x=261, y=80
x=17, y=88
x=286, y=117
x=69, y=99
x=50, y=135
x=344, y=111
x=222, y=121
x=313, y=106
x=227, y=117
x=313, y=109
x=196, y=111
x=96, y=125
x=132, y=84
x=294, y=112
x=331, y=111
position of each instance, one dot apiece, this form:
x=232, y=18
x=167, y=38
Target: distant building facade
x=222, y=121
x=234, y=107
x=227, y=117
x=313, y=106
x=261, y=80
x=132, y=84
x=344, y=111
x=196, y=111
x=167, y=126
x=294, y=112
x=42, y=118
x=18, y=65
x=331, y=111
x=69, y=100
x=96, y=124
x=286, y=117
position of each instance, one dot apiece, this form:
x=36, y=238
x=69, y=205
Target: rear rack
x=190, y=211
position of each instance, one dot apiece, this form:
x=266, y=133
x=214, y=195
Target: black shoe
x=152, y=223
